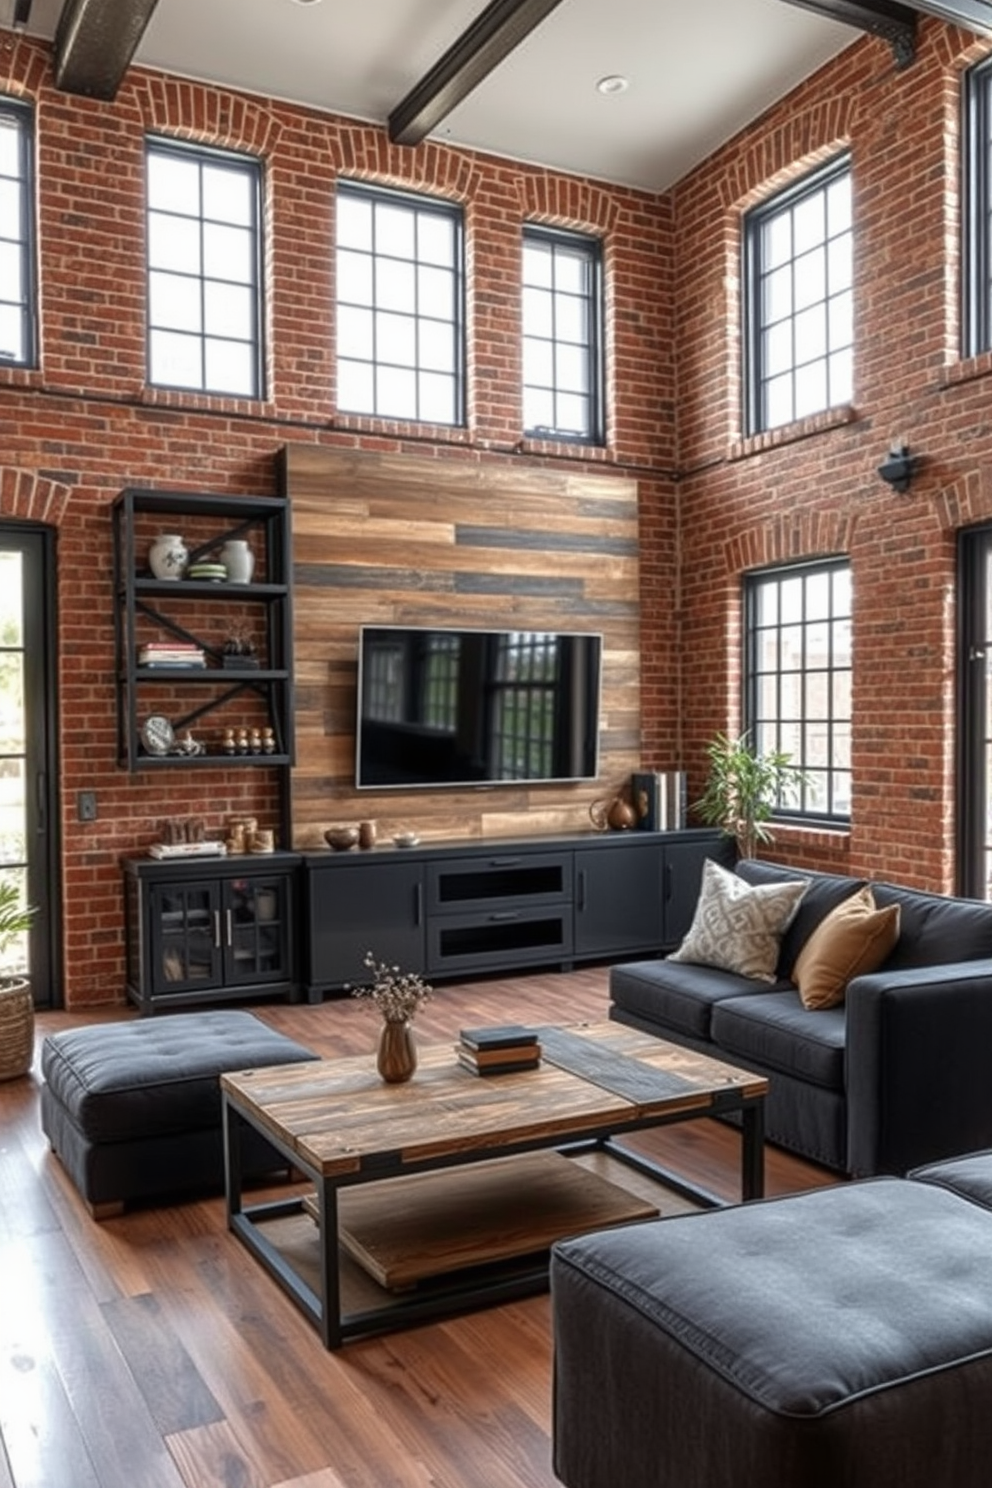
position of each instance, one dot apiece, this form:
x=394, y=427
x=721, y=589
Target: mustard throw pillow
x=853, y=939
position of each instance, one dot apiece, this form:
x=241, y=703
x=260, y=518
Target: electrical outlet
x=86, y=805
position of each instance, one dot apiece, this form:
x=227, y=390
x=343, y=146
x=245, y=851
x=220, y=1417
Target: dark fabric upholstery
x=679, y=994
x=933, y=929
x=777, y=1344
x=825, y=892
x=970, y=1176
x=777, y=1031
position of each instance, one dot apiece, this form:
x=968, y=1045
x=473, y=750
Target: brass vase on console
x=613, y=814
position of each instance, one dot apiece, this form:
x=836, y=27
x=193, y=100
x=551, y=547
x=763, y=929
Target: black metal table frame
x=465, y=1291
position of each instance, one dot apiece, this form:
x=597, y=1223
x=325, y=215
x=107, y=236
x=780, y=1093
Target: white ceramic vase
x=167, y=556
x=239, y=560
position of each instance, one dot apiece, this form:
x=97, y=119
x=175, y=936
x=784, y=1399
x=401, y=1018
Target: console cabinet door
x=683, y=874
x=184, y=934
x=256, y=929
x=618, y=899
x=358, y=907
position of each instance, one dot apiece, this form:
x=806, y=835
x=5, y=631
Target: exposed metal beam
x=502, y=26
x=95, y=41
x=893, y=22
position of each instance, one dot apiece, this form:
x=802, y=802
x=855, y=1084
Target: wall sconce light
x=899, y=467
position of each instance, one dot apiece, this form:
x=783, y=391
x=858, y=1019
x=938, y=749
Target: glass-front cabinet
x=202, y=937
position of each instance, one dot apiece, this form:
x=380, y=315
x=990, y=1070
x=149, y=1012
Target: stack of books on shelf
x=501, y=1050
x=171, y=654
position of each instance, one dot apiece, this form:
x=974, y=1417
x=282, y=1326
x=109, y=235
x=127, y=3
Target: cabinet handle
x=418, y=904
x=216, y=929
x=503, y=862
x=668, y=881
x=582, y=889
x=506, y=914
x=230, y=927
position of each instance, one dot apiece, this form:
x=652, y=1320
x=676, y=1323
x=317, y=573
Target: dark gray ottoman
x=133, y=1110
x=835, y=1339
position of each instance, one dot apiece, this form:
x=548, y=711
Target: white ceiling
x=697, y=72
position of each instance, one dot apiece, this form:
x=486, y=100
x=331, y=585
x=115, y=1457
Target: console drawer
x=503, y=880
x=489, y=939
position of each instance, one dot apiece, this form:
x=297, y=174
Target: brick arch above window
x=775, y=160
x=204, y=116
x=567, y=201
x=364, y=153
x=790, y=538
x=30, y=497
x=24, y=67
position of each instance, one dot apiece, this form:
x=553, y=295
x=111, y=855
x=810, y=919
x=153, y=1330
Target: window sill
x=807, y=428
x=968, y=369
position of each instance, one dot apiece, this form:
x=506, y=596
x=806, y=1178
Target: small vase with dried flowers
x=397, y=995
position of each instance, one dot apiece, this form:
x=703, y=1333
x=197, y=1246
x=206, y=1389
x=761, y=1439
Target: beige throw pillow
x=739, y=926
x=853, y=939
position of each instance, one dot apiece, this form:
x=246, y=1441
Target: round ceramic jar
x=168, y=556
x=239, y=560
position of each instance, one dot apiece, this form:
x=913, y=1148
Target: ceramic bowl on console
x=405, y=839
x=341, y=838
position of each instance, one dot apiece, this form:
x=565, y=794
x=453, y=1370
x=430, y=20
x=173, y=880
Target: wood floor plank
x=211, y=1456
x=177, y=1398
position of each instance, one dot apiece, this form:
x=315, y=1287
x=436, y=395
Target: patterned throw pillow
x=739, y=926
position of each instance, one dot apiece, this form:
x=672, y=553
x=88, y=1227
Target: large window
x=799, y=324
x=977, y=254
x=17, y=252
x=204, y=279
x=562, y=335
x=798, y=678
x=974, y=773
x=399, y=306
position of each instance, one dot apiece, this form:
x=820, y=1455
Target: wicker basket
x=16, y=1029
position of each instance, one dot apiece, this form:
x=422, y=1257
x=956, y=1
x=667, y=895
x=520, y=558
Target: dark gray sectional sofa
x=900, y=1074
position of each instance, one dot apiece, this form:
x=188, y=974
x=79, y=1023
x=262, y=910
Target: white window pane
x=356, y=387
x=842, y=792
x=435, y=239
x=811, y=334
x=396, y=393
x=570, y=272
x=571, y=369
x=228, y=310
x=174, y=243
x=353, y=222
x=175, y=359
x=355, y=333
x=810, y=278
x=173, y=184
x=10, y=211
x=230, y=368
x=571, y=320
x=11, y=284
x=539, y=366
x=539, y=408
x=818, y=596
x=777, y=348
x=228, y=195
x=842, y=643
x=437, y=398
x=776, y=240
x=436, y=293
x=842, y=695
x=573, y=414
x=842, y=591
x=354, y=278
x=228, y=253
x=9, y=147
x=537, y=264
x=840, y=321
x=394, y=230
x=808, y=223
x=11, y=334
x=767, y=603
x=811, y=389
x=174, y=302
x=777, y=295
x=841, y=367
x=839, y=205
x=437, y=346
x=396, y=339
x=394, y=286
x=778, y=402
x=839, y=268
x=537, y=312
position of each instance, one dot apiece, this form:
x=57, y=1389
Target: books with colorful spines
x=499, y=1036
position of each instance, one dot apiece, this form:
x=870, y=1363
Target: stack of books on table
x=501, y=1050
x=171, y=654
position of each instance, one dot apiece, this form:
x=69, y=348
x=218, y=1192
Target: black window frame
x=452, y=212
x=976, y=215
x=590, y=250
x=22, y=115
x=798, y=808
x=974, y=735
x=251, y=165
x=812, y=183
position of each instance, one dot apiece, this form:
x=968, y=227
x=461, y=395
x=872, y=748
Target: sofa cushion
x=775, y=1031
x=970, y=1176
x=680, y=998
x=825, y=892
x=934, y=929
x=738, y=927
x=854, y=938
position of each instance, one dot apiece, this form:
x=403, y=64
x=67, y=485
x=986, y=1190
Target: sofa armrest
x=918, y=1065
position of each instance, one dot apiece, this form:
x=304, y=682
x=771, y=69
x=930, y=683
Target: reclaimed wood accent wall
x=409, y=539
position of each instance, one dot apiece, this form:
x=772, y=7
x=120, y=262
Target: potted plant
x=743, y=789
x=16, y=1001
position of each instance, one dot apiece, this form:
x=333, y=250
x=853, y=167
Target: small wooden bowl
x=341, y=838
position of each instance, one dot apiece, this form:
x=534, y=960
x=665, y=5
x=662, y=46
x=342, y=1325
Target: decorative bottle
x=168, y=556
x=239, y=560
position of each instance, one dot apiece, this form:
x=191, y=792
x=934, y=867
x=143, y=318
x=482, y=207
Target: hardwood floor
x=151, y=1351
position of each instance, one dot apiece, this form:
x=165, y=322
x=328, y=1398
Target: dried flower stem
x=396, y=994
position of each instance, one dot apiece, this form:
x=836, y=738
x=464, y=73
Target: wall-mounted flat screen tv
x=475, y=707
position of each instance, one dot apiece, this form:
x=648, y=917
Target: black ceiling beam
x=502, y=26
x=94, y=43
x=893, y=22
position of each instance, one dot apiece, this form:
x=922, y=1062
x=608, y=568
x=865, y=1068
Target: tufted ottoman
x=133, y=1109
x=838, y=1337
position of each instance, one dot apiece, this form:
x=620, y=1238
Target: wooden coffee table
x=449, y=1190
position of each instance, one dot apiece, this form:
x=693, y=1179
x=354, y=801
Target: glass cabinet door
x=185, y=936
x=256, y=928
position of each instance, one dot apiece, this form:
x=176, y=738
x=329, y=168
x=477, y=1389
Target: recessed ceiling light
x=308, y=2
x=614, y=83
